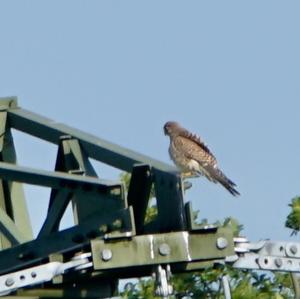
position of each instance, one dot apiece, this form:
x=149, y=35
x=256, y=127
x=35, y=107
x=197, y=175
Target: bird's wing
x=207, y=162
x=195, y=149
x=195, y=138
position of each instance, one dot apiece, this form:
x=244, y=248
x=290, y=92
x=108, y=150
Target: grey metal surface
x=268, y=255
x=39, y=274
x=226, y=287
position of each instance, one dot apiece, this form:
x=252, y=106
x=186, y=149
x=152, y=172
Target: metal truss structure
x=110, y=239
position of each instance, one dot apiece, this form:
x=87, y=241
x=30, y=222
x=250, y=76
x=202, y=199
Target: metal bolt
x=164, y=249
x=278, y=262
x=9, y=282
x=222, y=243
x=117, y=224
x=115, y=191
x=293, y=249
x=65, y=137
x=106, y=255
x=103, y=228
x=187, y=185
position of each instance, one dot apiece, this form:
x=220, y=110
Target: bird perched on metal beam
x=191, y=155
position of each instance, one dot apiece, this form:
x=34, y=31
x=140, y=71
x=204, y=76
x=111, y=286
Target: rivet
x=26, y=255
x=115, y=191
x=164, y=249
x=293, y=249
x=106, y=255
x=9, y=282
x=278, y=262
x=117, y=224
x=103, y=228
x=222, y=243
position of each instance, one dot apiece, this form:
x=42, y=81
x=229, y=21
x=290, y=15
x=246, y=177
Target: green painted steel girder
x=116, y=232
x=66, y=241
x=55, y=179
x=10, y=230
x=96, y=148
x=167, y=248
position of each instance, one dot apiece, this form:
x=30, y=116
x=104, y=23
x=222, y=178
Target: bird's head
x=171, y=127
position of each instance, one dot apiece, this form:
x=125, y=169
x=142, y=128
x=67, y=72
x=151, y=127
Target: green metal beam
x=12, y=197
x=139, y=193
x=10, y=230
x=71, y=159
x=55, y=212
x=170, y=204
x=74, y=160
x=96, y=148
x=167, y=248
x=55, y=179
x=68, y=241
x=105, y=222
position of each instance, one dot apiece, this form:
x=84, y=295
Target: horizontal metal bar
x=96, y=148
x=271, y=263
x=153, y=249
x=53, y=179
x=37, y=275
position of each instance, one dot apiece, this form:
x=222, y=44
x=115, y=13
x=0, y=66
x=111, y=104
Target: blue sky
x=227, y=70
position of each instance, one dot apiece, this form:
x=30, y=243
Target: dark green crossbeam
x=95, y=147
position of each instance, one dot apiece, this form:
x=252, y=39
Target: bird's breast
x=181, y=161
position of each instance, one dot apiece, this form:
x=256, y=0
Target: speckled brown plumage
x=191, y=155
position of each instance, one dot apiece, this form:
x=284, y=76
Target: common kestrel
x=191, y=155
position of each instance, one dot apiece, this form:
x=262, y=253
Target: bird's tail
x=220, y=177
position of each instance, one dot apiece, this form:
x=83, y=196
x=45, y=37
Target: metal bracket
x=40, y=274
x=163, y=287
x=267, y=255
x=158, y=249
x=226, y=287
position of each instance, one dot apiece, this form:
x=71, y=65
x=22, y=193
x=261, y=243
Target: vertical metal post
x=70, y=158
x=12, y=198
x=296, y=286
x=226, y=287
x=139, y=193
x=170, y=204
